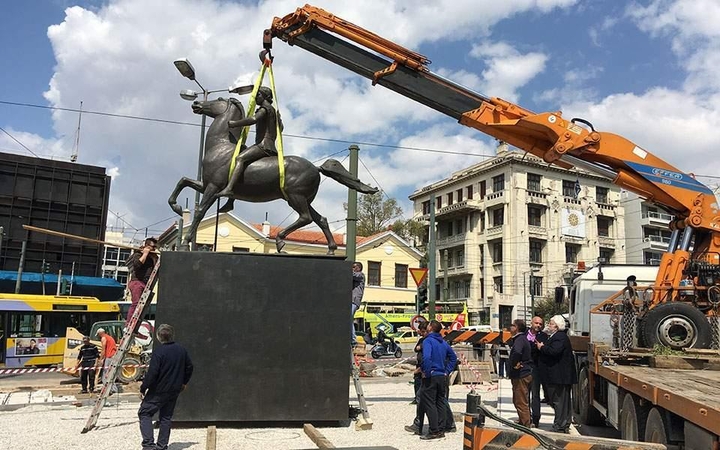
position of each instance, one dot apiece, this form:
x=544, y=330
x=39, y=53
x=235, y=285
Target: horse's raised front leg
x=323, y=224
x=207, y=200
x=300, y=204
x=182, y=184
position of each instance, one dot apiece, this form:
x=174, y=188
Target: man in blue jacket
x=169, y=372
x=438, y=361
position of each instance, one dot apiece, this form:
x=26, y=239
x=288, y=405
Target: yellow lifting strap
x=266, y=66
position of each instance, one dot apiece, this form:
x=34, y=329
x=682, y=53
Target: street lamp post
x=188, y=71
x=532, y=292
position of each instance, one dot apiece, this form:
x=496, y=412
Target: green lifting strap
x=266, y=66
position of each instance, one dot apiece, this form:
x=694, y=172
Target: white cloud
x=118, y=59
x=507, y=69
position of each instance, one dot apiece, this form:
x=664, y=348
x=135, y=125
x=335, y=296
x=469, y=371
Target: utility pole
x=524, y=298
x=532, y=293
x=351, y=227
x=42, y=275
x=2, y=236
x=431, y=261
x=20, y=266
x=446, y=280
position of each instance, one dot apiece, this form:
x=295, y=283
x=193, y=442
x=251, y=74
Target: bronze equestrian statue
x=258, y=180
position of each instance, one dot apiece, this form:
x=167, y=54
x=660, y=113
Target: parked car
x=482, y=328
x=406, y=336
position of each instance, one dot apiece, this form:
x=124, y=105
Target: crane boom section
x=547, y=135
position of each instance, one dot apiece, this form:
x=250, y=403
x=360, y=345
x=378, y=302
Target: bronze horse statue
x=261, y=181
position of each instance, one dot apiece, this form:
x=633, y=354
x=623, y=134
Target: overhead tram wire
x=296, y=136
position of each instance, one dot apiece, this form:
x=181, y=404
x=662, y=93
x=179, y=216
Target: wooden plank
x=317, y=437
x=211, y=441
x=675, y=362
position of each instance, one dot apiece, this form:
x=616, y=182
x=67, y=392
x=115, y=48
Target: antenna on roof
x=76, y=144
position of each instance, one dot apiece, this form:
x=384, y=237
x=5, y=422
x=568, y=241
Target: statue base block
x=269, y=335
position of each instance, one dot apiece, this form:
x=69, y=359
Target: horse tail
x=333, y=169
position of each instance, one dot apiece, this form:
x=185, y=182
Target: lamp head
x=241, y=90
x=185, y=68
x=188, y=94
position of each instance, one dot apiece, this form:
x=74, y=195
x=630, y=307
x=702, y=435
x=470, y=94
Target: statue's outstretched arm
x=252, y=120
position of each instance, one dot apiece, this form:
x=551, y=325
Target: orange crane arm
x=566, y=143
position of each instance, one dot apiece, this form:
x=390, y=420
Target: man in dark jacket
x=520, y=370
x=535, y=334
x=169, y=372
x=357, y=294
x=439, y=360
x=557, y=371
x=88, y=356
x=417, y=425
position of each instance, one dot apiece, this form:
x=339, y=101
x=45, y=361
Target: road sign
x=418, y=274
x=415, y=322
x=456, y=326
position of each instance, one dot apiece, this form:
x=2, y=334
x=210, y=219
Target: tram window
x=27, y=325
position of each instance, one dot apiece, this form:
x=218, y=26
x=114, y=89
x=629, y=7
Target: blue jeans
x=353, y=310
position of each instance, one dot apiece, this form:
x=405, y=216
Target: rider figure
x=266, y=120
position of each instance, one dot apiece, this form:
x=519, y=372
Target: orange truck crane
x=645, y=403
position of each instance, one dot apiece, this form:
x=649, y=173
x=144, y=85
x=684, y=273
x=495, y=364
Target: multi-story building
x=646, y=230
x=114, y=257
x=510, y=228
x=61, y=196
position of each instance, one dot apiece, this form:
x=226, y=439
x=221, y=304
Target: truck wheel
x=676, y=325
x=587, y=413
x=655, y=429
x=632, y=419
x=130, y=374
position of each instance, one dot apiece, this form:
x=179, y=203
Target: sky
x=645, y=70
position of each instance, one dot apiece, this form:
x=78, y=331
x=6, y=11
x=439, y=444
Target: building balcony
x=494, y=199
x=454, y=271
x=537, y=231
x=451, y=241
x=654, y=242
x=458, y=209
x=494, y=231
x=606, y=209
x=606, y=241
x=656, y=219
x=571, y=201
x=536, y=198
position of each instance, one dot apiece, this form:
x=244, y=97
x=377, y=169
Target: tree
x=410, y=230
x=546, y=308
x=375, y=214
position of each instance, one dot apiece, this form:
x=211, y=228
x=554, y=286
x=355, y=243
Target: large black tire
x=676, y=325
x=633, y=418
x=655, y=429
x=130, y=374
x=587, y=414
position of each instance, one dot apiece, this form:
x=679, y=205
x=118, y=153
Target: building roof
x=304, y=236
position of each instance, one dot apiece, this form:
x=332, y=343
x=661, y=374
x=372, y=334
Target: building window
x=122, y=277
x=652, y=259
x=124, y=254
x=606, y=255
x=240, y=249
x=481, y=251
x=603, y=225
x=498, y=216
x=482, y=221
x=108, y=274
x=536, y=248
x=497, y=251
x=568, y=188
x=462, y=289
x=483, y=189
x=571, y=253
x=460, y=257
x=111, y=254
x=426, y=207
x=450, y=198
x=499, y=183
x=482, y=288
x=204, y=247
x=601, y=194
x=535, y=216
x=438, y=203
x=498, y=284
x=401, y=271
x=459, y=226
x=459, y=193
x=469, y=192
x=374, y=273
x=449, y=228
x=536, y=286
x=533, y=182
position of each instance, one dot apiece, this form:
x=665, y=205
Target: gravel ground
x=58, y=427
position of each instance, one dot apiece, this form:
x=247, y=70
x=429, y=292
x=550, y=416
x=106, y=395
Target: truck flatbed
x=692, y=394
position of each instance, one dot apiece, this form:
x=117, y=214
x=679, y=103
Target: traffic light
x=64, y=287
x=422, y=298
x=45, y=267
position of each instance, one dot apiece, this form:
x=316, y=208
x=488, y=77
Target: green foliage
x=374, y=214
x=546, y=308
x=660, y=349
